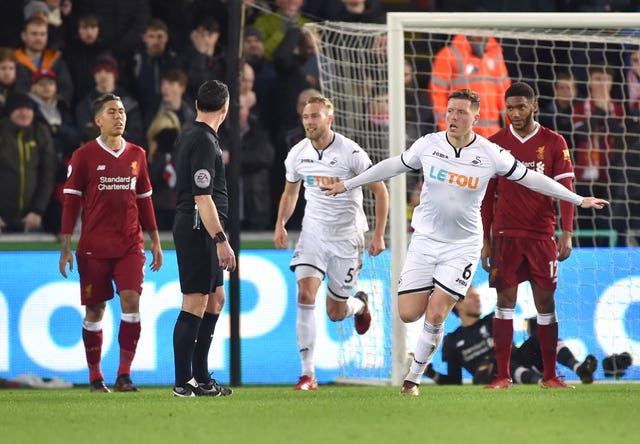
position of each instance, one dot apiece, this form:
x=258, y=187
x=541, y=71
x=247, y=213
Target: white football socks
x=428, y=343
x=354, y=306
x=306, y=333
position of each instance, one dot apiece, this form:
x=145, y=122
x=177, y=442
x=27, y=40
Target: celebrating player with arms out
x=108, y=178
x=457, y=165
x=332, y=237
x=523, y=223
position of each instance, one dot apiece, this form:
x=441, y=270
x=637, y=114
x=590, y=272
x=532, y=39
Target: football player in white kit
x=332, y=238
x=445, y=248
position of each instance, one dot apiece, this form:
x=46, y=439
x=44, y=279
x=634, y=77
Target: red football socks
x=128, y=339
x=502, y=340
x=548, y=337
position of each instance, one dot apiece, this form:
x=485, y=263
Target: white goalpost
x=363, y=71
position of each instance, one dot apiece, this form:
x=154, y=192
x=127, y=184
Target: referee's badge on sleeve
x=202, y=178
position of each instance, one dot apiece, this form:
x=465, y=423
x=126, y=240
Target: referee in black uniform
x=201, y=245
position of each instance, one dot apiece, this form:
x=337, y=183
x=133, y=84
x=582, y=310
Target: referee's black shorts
x=197, y=257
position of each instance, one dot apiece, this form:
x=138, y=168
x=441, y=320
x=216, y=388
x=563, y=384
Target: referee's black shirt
x=200, y=169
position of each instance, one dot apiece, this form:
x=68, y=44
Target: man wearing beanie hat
x=36, y=8
x=56, y=114
x=27, y=166
x=105, y=76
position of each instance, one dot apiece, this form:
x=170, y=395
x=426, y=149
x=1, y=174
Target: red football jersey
x=519, y=210
x=110, y=184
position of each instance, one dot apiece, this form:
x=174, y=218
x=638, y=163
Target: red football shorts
x=97, y=276
x=520, y=259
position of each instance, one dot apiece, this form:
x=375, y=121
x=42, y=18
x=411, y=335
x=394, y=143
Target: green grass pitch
x=599, y=413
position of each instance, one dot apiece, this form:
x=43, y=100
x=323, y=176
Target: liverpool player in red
x=108, y=179
x=523, y=246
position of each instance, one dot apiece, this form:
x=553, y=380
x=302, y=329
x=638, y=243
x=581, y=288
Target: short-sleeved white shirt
x=331, y=217
x=455, y=181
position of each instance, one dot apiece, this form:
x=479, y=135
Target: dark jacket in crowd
x=27, y=167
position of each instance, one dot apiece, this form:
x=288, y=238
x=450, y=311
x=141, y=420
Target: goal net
x=378, y=78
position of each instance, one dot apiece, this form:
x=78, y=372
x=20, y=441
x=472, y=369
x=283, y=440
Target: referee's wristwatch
x=220, y=237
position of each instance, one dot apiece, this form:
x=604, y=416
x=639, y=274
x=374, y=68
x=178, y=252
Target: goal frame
x=397, y=24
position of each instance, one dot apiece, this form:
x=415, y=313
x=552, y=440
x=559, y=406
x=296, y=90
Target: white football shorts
x=432, y=263
x=340, y=261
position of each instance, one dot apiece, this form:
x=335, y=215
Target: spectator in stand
x=148, y=65
x=361, y=11
x=275, y=25
x=296, y=65
x=632, y=77
x=122, y=23
x=81, y=53
x=247, y=79
x=105, y=75
x=8, y=64
x=470, y=347
x=418, y=109
x=53, y=111
x=265, y=76
x=256, y=161
x=203, y=60
x=599, y=131
x=57, y=15
x=162, y=135
x=559, y=112
x=473, y=62
x=36, y=8
x=172, y=89
x=27, y=180
x=35, y=56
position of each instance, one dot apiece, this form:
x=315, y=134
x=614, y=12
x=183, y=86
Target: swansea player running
x=457, y=165
x=331, y=242
x=523, y=225
x=108, y=180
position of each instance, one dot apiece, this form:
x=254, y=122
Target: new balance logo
x=101, y=168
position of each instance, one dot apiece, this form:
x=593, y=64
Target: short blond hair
x=323, y=101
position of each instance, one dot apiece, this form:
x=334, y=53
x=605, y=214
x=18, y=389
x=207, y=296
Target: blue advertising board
x=598, y=304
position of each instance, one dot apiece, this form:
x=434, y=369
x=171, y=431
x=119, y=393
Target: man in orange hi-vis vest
x=476, y=63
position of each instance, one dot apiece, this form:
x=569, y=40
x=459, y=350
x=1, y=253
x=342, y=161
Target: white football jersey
x=455, y=181
x=332, y=217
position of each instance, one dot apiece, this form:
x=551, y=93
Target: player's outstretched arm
x=545, y=185
x=593, y=202
x=381, y=171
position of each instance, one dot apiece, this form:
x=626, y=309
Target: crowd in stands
x=57, y=56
